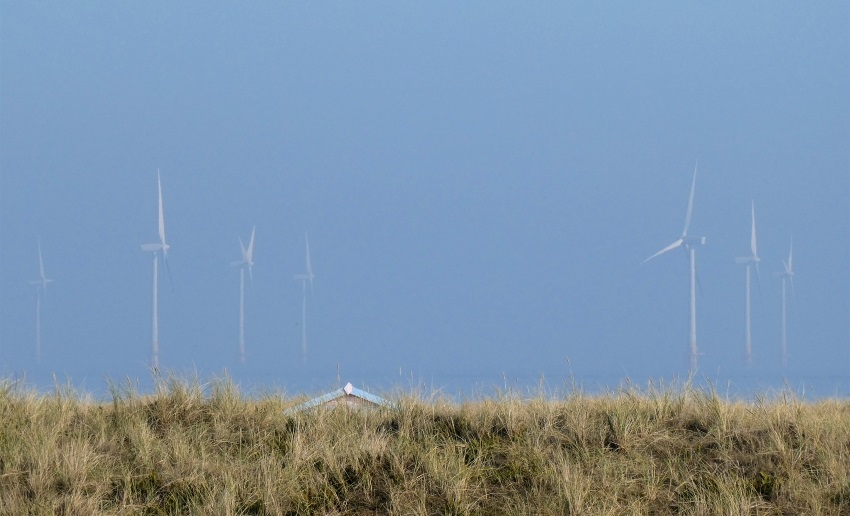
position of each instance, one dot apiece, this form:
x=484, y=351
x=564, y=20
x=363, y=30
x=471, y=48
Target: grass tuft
x=193, y=448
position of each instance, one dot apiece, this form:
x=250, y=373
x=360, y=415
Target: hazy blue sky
x=480, y=182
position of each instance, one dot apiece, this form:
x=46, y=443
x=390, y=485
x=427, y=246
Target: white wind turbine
x=787, y=275
x=41, y=285
x=749, y=261
x=156, y=248
x=689, y=243
x=246, y=262
x=304, y=278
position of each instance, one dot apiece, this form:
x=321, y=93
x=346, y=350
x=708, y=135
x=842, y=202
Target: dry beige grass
x=193, y=449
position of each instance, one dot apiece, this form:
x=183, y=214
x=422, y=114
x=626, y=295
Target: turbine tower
x=304, y=278
x=246, y=262
x=689, y=243
x=159, y=247
x=41, y=290
x=749, y=261
x=787, y=275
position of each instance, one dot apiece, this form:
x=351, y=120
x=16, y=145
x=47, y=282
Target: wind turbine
x=304, y=278
x=159, y=247
x=246, y=262
x=41, y=290
x=689, y=243
x=787, y=275
x=749, y=261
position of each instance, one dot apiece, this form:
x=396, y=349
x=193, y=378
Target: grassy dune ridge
x=195, y=448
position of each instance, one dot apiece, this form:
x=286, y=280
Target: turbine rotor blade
x=250, y=255
x=670, y=247
x=753, y=246
x=43, y=280
x=690, y=204
x=161, y=217
x=309, y=263
x=788, y=270
x=789, y=267
x=40, y=262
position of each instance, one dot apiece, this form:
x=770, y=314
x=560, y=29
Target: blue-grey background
x=480, y=182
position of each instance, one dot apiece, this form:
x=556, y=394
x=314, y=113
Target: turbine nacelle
x=248, y=254
x=786, y=271
x=693, y=240
x=747, y=260
x=789, y=270
x=753, y=258
x=304, y=277
x=247, y=260
x=156, y=248
x=787, y=267
x=42, y=280
x=685, y=241
x=308, y=275
x=161, y=245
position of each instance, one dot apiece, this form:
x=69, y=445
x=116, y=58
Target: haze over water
x=480, y=183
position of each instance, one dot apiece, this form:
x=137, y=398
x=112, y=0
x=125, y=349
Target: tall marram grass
x=206, y=449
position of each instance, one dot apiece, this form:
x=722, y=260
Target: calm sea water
x=450, y=385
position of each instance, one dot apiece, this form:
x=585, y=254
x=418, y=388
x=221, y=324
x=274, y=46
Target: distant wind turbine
x=787, y=275
x=305, y=278
x=689, y=243
x=749, y=261
x=41, y=291
x=159, y=247
x=247, y=262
